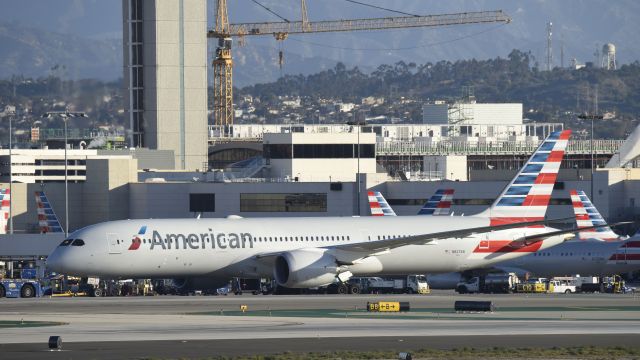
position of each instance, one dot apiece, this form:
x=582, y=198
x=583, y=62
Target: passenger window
x=66, y=242
x=78, y=242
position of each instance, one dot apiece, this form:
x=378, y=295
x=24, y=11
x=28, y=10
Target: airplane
x=599, y=252
x=47, y=219
x=438, y=204
x=311, y=252
x=587, y=215
x=587, y=257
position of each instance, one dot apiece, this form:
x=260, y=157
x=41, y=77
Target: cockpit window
x=78, y=242
x=66, y=242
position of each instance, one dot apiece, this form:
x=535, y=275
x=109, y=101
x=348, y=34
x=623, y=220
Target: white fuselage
x=575, y=257
x=222, y=247
x=587, y=258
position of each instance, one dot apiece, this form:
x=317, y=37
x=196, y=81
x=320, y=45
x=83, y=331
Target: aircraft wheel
x=342, y=289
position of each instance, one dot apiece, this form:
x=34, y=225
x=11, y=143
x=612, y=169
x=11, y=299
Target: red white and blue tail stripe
x=47, y=219
x=587, y=215
x=379, y=205
x=5, y=203
x=527, y=196
x=438, y=204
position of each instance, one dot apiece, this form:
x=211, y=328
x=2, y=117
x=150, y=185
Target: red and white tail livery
x=378, y=205
x=438, y=204
x=587, y=215
x=527, y=196
x=47, y=219
x=5, y=203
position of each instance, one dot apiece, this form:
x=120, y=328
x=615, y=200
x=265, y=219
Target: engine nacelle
x=305, y=268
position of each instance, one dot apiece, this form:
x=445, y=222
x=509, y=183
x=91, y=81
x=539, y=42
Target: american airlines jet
x=597, y=251
x=587, y=215
x=309, y=252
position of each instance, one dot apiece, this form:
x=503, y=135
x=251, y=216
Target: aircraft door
x=114, y=243
x=621, y=255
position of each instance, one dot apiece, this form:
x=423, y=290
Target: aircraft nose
x=55, y=261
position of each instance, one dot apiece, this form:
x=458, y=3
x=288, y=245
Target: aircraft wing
x=530, y=239
x=364, y=249
x=388, y=244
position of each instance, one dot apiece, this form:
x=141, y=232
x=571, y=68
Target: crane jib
x=300, y=27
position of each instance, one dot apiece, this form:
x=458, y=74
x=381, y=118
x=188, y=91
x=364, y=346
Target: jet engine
x=305, y=268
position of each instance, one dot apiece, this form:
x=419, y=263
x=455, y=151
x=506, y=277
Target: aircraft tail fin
x=379, y=205
x=47, y=219
x=527, y=196
x=439, y=203
x=587, y=215
x=5, y=202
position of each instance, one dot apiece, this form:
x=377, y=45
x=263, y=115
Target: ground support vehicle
x=563, y=285
x=608, y=284
x=489, y=284
x=411, y=284
x=539, y=285
x=254, y=286
x=61, y=286
x=24, y=288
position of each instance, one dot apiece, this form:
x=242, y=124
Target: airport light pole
x=11, y=114
x=65, y=115
x=592, y=118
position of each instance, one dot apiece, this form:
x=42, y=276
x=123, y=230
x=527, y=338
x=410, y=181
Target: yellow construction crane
x=224, y=32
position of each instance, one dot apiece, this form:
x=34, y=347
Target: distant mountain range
x=35, y=52
x=91, y=46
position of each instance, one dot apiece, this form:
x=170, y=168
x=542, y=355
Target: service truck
x=504, y=283
x=607, y=284
x=566, y=285
x=411, y=284
x=535, y=285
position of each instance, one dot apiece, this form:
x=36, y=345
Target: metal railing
x=494, y=148
x=58, y=134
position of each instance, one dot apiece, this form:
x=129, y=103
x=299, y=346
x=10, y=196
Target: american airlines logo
x=136, y=241
x=209, y=240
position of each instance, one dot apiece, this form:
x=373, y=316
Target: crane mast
x=224, y=32
x=223, y=69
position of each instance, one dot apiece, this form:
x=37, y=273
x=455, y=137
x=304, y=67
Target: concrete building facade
x=472, y=113
x=165, y=77
x=320, y=156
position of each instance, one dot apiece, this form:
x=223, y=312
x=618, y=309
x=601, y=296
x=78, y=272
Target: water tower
x=609, y=56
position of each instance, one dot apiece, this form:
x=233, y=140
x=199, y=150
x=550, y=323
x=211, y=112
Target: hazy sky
x=580, y=25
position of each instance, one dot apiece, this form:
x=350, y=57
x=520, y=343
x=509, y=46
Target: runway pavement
x=136, y=326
